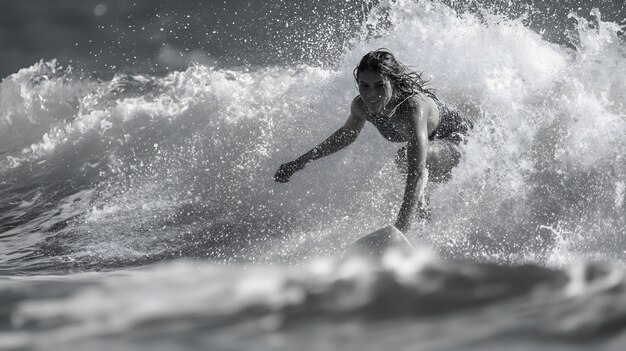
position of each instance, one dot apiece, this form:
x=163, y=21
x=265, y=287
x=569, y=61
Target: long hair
x=403, y=79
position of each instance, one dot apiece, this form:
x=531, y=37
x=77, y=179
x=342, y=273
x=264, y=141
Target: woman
x=394, y=99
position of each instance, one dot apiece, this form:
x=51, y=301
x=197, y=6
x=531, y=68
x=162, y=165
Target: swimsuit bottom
x=452, y=126
x=451, y=130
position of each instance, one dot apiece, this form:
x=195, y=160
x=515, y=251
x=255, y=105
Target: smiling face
x=375, y=90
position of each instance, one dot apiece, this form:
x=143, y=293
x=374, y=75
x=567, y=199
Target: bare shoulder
x=357, y=107
x=419, y=101
x=357, y=117
x=422, y=104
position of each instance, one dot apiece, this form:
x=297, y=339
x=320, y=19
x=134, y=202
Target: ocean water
x=138, y=210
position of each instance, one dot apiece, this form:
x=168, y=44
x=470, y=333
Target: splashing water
x=135, y=169
x=180, y=165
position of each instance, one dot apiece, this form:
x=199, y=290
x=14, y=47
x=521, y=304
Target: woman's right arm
x=341, y=138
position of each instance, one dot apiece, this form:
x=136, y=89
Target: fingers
x=281, y=178
x=283, y=174
x=286, y=170
x=423, y=214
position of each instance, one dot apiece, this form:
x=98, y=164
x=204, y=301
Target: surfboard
x=375, y=243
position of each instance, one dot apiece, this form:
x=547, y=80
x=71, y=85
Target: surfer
x=394, y=99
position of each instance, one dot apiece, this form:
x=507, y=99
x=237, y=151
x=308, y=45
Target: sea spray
x=106, y=178
x=180, y=165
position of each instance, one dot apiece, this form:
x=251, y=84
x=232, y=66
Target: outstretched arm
x=417, y=150
x=341, y=138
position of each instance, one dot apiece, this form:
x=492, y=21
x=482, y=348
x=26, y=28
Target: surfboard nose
x=377, y=242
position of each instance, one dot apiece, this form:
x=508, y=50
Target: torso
x=395, y=124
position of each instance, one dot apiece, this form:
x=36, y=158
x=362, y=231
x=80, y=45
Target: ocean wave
x=180, y=165
x=471, y=304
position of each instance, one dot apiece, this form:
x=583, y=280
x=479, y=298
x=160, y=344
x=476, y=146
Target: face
x=375, y=90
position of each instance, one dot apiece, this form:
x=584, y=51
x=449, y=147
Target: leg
x=443, y=156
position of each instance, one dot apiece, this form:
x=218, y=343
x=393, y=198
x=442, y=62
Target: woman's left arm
x=417, y=150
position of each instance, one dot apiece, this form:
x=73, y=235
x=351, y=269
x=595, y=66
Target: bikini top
x=390, y=127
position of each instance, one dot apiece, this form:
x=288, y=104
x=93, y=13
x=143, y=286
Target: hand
x=286, y=170
x=423, y=212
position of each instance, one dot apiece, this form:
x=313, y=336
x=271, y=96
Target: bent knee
x=442, y=158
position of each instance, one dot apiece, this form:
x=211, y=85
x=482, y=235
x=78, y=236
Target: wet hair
x=404, y=80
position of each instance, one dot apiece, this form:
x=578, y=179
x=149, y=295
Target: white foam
x=546, y=148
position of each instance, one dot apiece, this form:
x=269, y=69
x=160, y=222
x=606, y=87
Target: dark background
x=157, y=35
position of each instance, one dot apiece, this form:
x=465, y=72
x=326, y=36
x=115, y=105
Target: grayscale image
x=313, y=175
